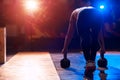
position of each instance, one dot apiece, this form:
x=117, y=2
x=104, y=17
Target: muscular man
x=89, y=24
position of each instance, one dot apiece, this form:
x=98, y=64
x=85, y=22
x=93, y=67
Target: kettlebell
x=102, y=62
x=65, y=62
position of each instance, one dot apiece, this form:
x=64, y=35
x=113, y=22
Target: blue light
x=102, y=7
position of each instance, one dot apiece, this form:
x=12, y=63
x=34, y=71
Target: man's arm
x=70, y=32
x=101, y=41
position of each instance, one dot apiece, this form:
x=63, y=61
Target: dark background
x=45, y=30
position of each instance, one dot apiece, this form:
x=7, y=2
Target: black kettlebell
x=65, y=62
x=102, y=62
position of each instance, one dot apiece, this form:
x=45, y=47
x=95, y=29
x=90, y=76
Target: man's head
x=84, y=3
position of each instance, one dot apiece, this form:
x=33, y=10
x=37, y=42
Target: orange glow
x=31, y=5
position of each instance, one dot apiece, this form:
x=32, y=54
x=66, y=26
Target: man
x=88, y=22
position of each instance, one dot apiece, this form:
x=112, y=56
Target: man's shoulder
x=78, y=9
x=75, y=11
x=81, y=9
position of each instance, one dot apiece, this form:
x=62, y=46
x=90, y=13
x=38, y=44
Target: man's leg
x=90, y=60
x=86, y=53
x=93, y=55
x=94, y=48
x=86, y=48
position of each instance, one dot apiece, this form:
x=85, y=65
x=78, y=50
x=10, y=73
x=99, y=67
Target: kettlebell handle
x=65, y=55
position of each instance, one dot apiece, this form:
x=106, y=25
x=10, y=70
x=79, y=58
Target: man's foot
x=90, y=66
x=88, y=75
x=87, y=78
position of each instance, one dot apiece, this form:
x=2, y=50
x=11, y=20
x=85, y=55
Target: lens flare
x=31, y=5
x=101, y=6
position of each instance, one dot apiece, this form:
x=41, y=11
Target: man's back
x=89, y=22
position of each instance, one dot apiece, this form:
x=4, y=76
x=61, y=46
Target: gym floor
x=76, y=70
x=46, y=66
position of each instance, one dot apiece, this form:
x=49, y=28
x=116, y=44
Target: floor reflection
x=103, y=75
x=88, y=75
